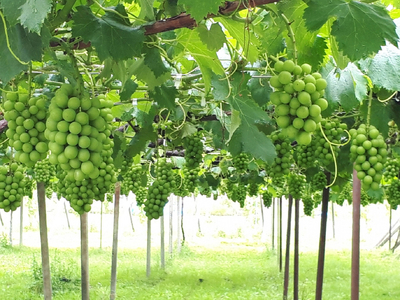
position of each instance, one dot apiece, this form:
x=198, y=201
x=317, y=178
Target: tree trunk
x=115, y=243
x=85, y=284
x=44, y=244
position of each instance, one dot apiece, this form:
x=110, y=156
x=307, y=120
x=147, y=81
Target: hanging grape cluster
x=253, y=189
x=308, y=205
x=159, y=191
x=240, y=162
x=135, y=180
x=44, y=171
x=393, y=193
x=12, y=184
x=193, y=156
x=26, y=125
x=283, y=160
x=296, y=184
x=391, y=169
x=318, y=182
x=239, y=193
x=346, y=193
x=267, y=198
x=298, y=99
x=368, y=151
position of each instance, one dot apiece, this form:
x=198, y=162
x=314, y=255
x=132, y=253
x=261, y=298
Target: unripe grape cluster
x=239, y=193
x=159, y=191
x=267, y=198
x=193, y=151
x=391, y=169
x=283, y=160
x=296, y=184
x=318, y=182
x=26, y=119
x=240, y=162
x=78, y=131
x=12, y=184
x=44, y=171
x=368, y=151
x=253, y=189
x=346, y=193
x=308, y=205
x=298, y=99
x=393, y=193
x=134, y=178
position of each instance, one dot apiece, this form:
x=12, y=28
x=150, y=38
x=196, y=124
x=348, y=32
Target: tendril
x=387, y=99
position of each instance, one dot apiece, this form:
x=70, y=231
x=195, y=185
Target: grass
x=231, y=272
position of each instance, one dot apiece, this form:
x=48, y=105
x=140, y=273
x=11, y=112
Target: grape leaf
x=198, y=10
x=11, y=11
x=152, y=59
x=146, y=11
x=360, y=29
x=33, y=14
x=270, y=33
x=188, y=129
x=26, y=46
x=380, y=115
x=207, y=60
x=164, y=96
x=213, y=38
x=143, y=73
x=129, y=88
x=384, y=68
x=260, y=90
x=347, y=87
x=110, y=34
x=220, y=87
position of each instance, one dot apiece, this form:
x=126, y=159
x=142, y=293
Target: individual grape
x=296, y=184
x=368, y=151
x=12, y=186
x=267, y=198
x=240, y=162
x=298, y=100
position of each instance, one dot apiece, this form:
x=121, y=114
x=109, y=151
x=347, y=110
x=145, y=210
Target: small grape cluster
x=282, y=162
x=391, y=169
x=159, y=191
x=26, y=125
x=239, y=194
x=346, y=193
x=308, y=205
x=368, y=151
x=253, y=189
x=240, y=162
x=393, y=193
x=318, y=182
x=298, y=99
x=267, y=198
x=190, y=178
x=134, y=179
x=193, y=151
x=296, y=184
x=12, y=184
x=44, y=171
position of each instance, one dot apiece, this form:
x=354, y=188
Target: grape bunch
x=308, y=205
x=193, y=151
x=141, y=195
x=393, y=193
x=78, y=131
x=240, y=162
x=346, y=193
x=159, y=191
x=190, y=178
x=267, y=198
x=44, y=171
x=134, y=178
x=253, y=189
x=391, y=169
x=26, y=125
x=296, y=184
x=283, y=160
x=12, y=184
x=239, y=193
x=298, y=99
x=318, y=182
x=368, y=151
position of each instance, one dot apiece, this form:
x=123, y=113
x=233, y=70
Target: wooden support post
x=280, y=234
x=66, y=215
x=296, y=250
x=162, y=243
x=171, y=228
x=44, y=244
x=21, y=223
x=114, y=260
x=85, y=284
x=287, y=255
x=148, y=256
x=355, y=257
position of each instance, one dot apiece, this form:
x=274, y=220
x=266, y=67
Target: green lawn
x=230, y=272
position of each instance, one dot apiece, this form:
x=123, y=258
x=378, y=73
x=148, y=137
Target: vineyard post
x=171, y=229
x=296, y=251
x=262, y=214
x=182, y=229
x=115, y=242
x=11, y=228
x=148, y=256
x=21, y=223
x=197, y=214
x=355, y=251
x=322, y=241
x=390, y=227
x=130, y=211
x=333, y=219
x=162, y=243
x=1, y=220
x=287, y=254
x=85, y=287
x=280, y=234
x=178, y=225
x=273, y=224
x=101, y=222
x=66, y=215
x=44, y=244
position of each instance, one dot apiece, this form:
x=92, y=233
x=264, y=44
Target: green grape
x=239, y=194
x=253, y=189
x=134, y=178
x=12, y=186
x=368, y=151
x=298, y=100
x=193, y=151
x=240, y=162
x=190, y=178
x=267, y=198
x=308, y=205
x=318, y=182
x=44, y=171
x=391, y=169
x=296, y=184
x=283, y=160
x=141, y=195
x=26, y=125
x=393, y=193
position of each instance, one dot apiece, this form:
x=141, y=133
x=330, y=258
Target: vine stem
x=369, y=108
x=74, y=62
x=291, y=35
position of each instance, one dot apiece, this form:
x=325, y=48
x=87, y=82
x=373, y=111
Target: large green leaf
x=33, y=14
x=198, y=10
x=164, y=96
x=11, y=10
x=110, y=34
x=207, y=60
x=380, y=115
x=384, y=68
x=360, y=29
x=152, y=59
x=213, y=38
x=27, y=46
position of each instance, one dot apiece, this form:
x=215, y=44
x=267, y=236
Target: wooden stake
x=85, y=284
x=171, y=229
x=21, y=223
x=287, y=255
x=115, y=242
x=148, y=257
x=355, y=256
x=296, y=251
x=66, y=215
x=162, y=243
